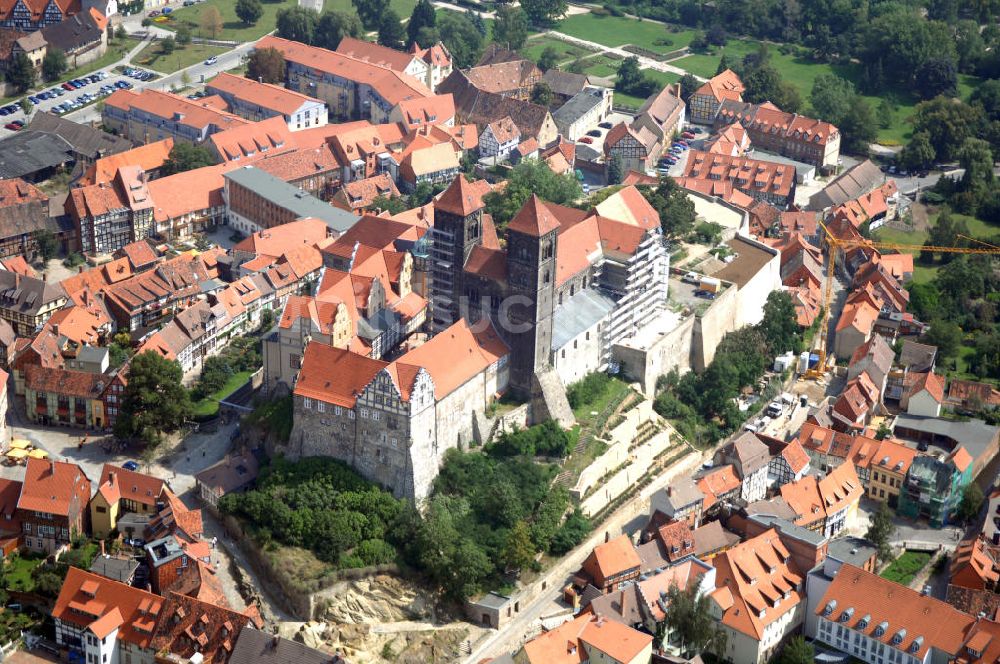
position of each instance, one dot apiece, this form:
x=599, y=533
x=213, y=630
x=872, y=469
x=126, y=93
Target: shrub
x=588, y=390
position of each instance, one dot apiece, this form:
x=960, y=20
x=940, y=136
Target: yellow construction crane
x=833, y=243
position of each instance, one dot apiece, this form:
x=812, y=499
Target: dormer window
x=898, y=637
x=846, y=615
x=829, y=608
x=881, y=629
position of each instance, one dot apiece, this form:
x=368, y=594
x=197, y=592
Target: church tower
x=531, y=274
x=458, y=227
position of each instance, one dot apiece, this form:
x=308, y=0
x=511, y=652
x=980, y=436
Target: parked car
x=15, y=125
x=130, y=465
x=605, y=125
x=155, y=12
x=586, y=139
x=67, y=86
x=212, y=60
x=688, y=135
x=594, y=132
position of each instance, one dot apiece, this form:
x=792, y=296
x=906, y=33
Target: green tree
x=548, y=59
x=779, y=325
x=120, y=32
x=211, y=21
x=573, y=531
x=297, y=24
x=370, y=12
x=976, y=157
x=541, y=94
x=167, y=46
x=881, y=530
x=918, y=153
x=946, y=335
x=631, y=80
x=249, y=11
x=519, y=550
x=987, y=97
x=510, y=28
x=972, y=502
x=479, y=24
x=885, y=113
x=689, y=85
x=423, y=16
x=544, y=12
x=858, y=127
x=531, y=176
x=390, y=204
x=46, y=242
x=183, y=34
x=333, y=26
x=461, y=38
x=689, y=620
x=676, y=210
x=947, y=124
x=154, y=400
x=20, y=73
x=266, y=65
x=796, y=651
x=54, y=64
x=831, y=97
x=390, y=31
x=616, y=169
x=937, y=76
x=185, y=157
x=26, y=106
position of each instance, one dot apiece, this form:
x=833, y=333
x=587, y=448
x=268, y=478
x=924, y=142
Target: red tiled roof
x=461, y=198
x=534, y=218
x=53, y=487
x=90, y=601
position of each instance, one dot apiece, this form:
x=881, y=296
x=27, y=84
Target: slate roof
x=84, y=139
x=73, y=33
x=855, y=181
x=579, y=313
x=28, y=152
x=256, y=647
x=565, y=83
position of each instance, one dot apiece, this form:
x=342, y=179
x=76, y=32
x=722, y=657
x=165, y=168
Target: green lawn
x=18, y=572
x=210, y=406
x=905, y=568
x=602, y=66
x=153, y=58
x=616, y=31
x=532, y=50
x=232, y=28
x=402, y=7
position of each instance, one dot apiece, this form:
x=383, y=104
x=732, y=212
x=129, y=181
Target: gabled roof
x=375, y=54
x=725, y=85
x=134, y=486
x=919, y=621
x=533, y=219
x=50, y=486
x=930, y=382
x=274, y=98
x=92, y=602
x=761, y=579
x=579, y=640
x=461, y=198
x=612, y=558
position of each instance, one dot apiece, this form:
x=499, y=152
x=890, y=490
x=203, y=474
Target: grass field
x=210, y=406
x=925, y=273
x=602, y=66
x=534, y=47
x=117, y=48
x=905, y=568
x=232, y=28
x=615, y=31
x=18, y=572
x=153, y=58
x=662, y=79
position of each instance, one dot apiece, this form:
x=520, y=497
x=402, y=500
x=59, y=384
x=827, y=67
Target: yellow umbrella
x=17, y=454
x=21, y=444
x=38, y=454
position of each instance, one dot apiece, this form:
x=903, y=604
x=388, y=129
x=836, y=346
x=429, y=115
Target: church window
x=547, y=277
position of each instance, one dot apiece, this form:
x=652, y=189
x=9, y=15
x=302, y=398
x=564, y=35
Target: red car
x=14, y=126
x=67, y=86
x=688, y=135
x=586, y=139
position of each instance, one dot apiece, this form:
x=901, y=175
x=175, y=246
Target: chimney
x=102, y=548
x=52, y=466
x=670, y=491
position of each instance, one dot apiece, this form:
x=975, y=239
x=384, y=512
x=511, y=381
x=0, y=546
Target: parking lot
x=73, y=95
x=597, y=141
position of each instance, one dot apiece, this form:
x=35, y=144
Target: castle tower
x=531, y=273
x=458, y=227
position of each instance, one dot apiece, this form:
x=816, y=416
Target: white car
x=212, y=60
